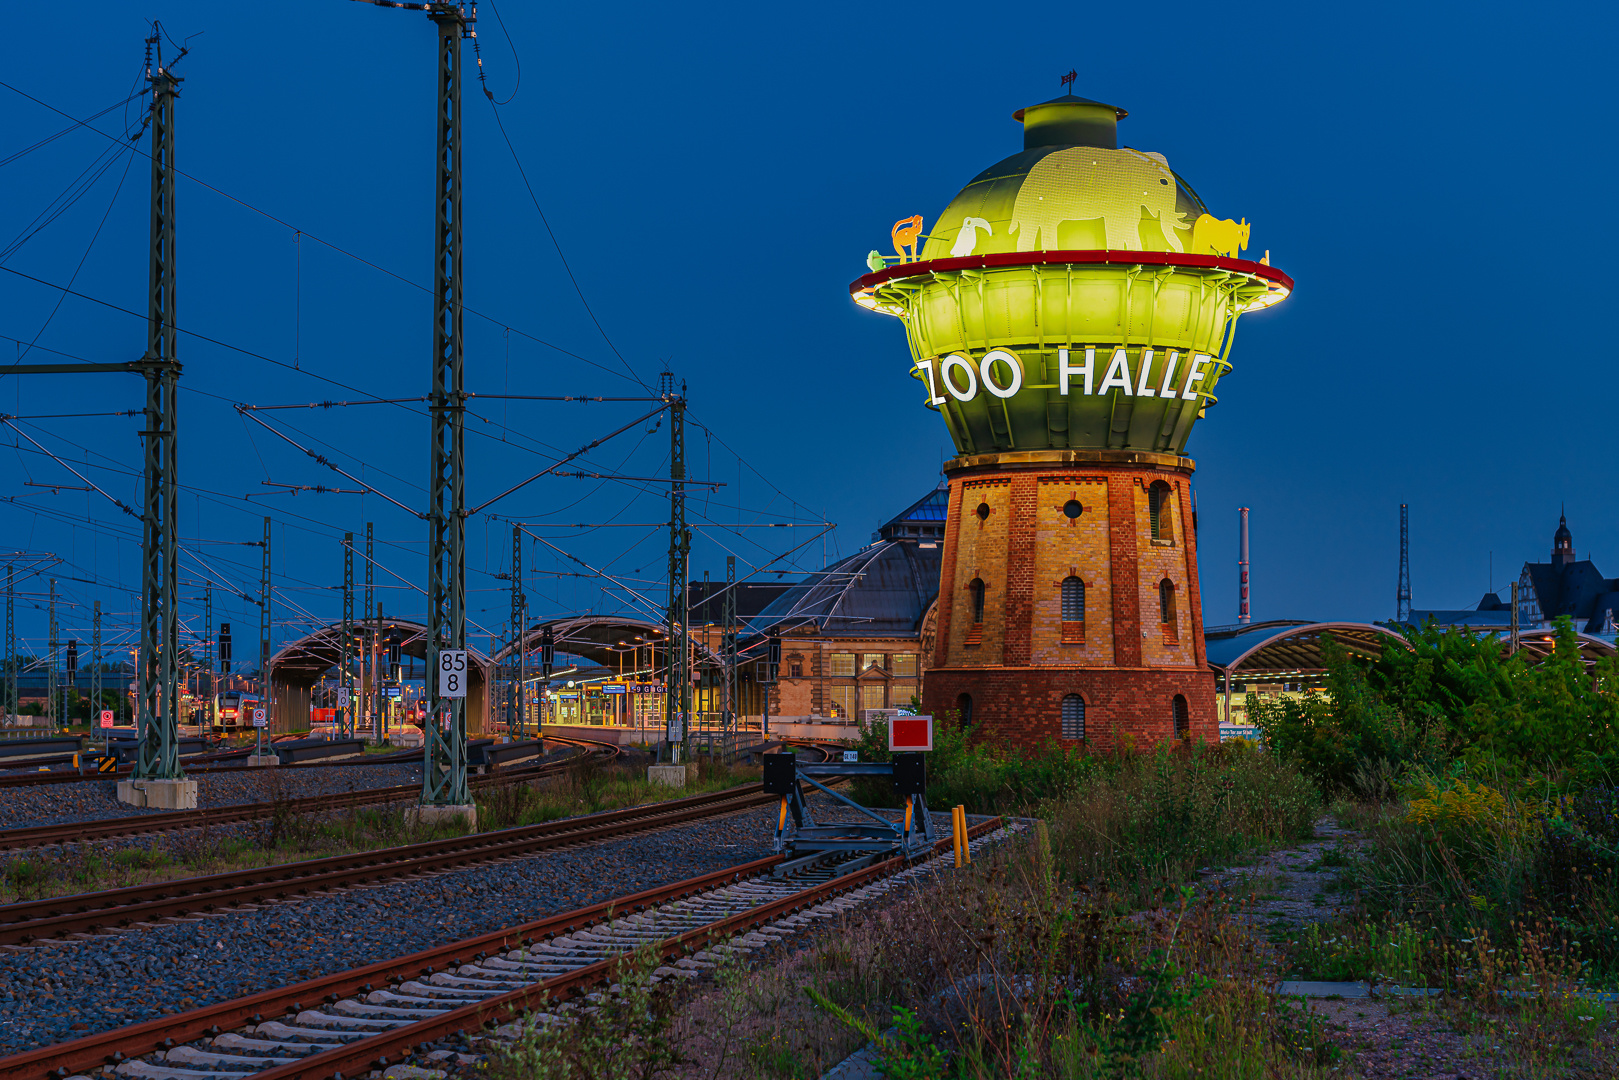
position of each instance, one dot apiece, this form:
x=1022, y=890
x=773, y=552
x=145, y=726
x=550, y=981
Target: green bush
x=1451, y=696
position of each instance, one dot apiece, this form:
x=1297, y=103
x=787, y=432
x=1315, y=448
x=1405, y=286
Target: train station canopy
x=1290, y=645
x=303, y=661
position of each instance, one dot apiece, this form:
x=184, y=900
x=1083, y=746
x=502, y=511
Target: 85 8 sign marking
x=452, y=673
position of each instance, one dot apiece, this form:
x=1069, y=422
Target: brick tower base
x=1128, y=709
x=1072, y=574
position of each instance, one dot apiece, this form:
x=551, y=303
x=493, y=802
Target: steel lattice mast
x=11, y=643
x=95, y=667
x=1402, y=593
x=515, y=718
x=444, y=772
x=159, y=703
x=677, y=690
x=50, y=664
x=261, y=736
x=348, y=726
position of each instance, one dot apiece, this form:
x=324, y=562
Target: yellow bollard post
x=956, y=834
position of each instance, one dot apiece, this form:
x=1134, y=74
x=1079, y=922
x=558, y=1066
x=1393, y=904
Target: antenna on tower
x=1402, y=597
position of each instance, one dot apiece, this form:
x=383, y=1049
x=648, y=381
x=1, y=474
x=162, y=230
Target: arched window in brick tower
x=1183, y=721
x=975, y=632
x=1073, y=611
x=1073, y=716
x=1159, y=502
x=1166, y=611
x=964, y=706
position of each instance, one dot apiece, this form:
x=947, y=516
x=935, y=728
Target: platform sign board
x=612, y=688
x=106, y=718
x=910, y=733
x=258, y=717
x=452, y=673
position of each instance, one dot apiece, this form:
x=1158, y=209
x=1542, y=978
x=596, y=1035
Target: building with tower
x=1069, y=316
x=1564, y=585
x=1567, y=585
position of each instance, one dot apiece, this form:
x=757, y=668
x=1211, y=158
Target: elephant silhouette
x=1212, y=236
x=967, y=238
x=1087, y=183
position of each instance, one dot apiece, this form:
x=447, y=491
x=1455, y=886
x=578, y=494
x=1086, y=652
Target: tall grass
x=1148, y=822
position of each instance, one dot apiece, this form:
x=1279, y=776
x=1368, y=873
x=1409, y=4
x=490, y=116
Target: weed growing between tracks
x=589, y=787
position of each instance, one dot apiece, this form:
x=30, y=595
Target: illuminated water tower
x=1070, y=315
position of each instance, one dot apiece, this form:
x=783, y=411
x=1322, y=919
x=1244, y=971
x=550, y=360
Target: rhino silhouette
x=1212, y=236
x=1086, y=183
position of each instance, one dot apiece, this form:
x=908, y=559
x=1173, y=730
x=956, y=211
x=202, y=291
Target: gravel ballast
x=56, y=992
x=96, y=800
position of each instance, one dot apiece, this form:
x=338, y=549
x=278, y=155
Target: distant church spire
x=1562, y=540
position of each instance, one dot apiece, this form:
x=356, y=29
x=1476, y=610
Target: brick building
x=1069, y=600
x=852, y=634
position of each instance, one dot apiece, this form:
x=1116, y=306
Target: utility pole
x=50, y=665
x=1402, y=598
x=367, y=632
x=1513, y=644
x=95, y=668
x=677, y=690
x=444, y=771
x=261, y=736
x=346, y=724
x=515, y=717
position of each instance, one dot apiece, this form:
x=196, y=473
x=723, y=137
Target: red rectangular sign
x=106, y=718
x=908, y=733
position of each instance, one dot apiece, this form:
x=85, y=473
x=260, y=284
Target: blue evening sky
x=1437, y=177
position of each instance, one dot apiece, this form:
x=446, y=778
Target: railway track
x=80, y=913
x=169, y=821
x=219, y=761
x=343, y=1025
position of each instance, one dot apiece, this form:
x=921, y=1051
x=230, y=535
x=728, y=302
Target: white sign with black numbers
x=342, y=697
x=452, y=673
x=851, y=756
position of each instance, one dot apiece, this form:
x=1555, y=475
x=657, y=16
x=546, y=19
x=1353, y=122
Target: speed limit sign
x=452, y=673
x=342, y=697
